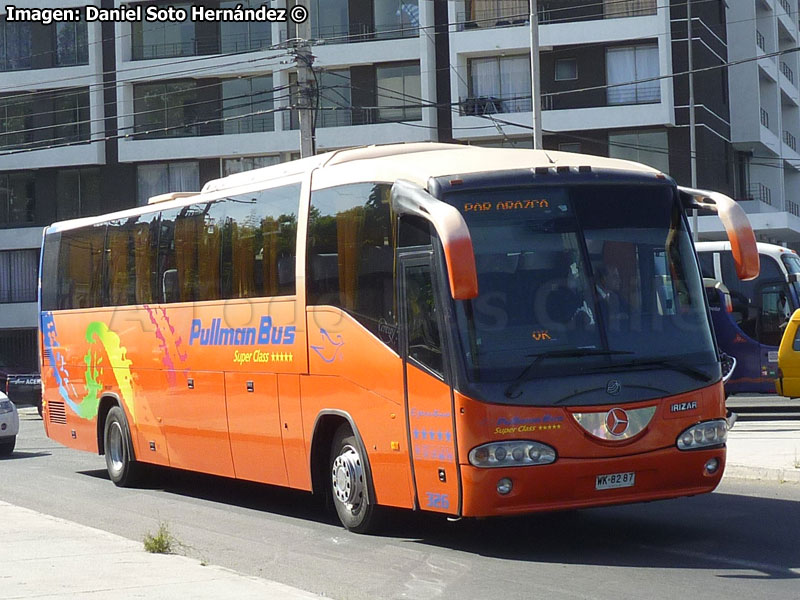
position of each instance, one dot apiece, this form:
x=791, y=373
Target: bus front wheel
x=350, y=483
x=122, y=467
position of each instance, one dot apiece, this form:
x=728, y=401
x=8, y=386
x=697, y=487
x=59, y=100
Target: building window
x=165, y=39
x=647, y=147
x=396, y=18
x=231, y=166
x=76, y=189
x=166, y=109
x=628, y=8
x=335, y=100
x=17, y=198
x=330, y=19
x=244, y=36
x=569, y=147
x=634, y=63
x=164, y=178
x=566, y=69
x=499, y=84
x=16, y=43
x=19, y=275
x=71, y=116
x=16, y=122
x=398, y=92
x=247, y=105
x=496, y=13
x=72, y=44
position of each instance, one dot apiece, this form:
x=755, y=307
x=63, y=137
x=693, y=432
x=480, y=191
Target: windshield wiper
x=647, y=364
x=512, y=391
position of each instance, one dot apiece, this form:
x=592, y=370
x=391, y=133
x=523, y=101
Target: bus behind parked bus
x=752, y=328
x=472, y=332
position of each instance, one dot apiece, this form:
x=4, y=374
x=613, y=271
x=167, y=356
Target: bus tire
x=122, y=467
x=349, y=483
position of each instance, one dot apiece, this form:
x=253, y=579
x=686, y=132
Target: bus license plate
x=615, y=480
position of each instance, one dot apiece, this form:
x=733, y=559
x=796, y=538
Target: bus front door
x=428, y=393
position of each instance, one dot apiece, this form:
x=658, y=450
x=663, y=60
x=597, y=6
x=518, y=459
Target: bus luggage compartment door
x=429, y=403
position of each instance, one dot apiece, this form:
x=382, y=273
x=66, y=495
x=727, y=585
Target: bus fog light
x=703, y=435
x=504, y=486
x=512, y=453
x=712, y=466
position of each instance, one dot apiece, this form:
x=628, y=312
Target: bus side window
x=774, y=314
x=259, y=238
x=351, y=254
x=81, y=281
x=424, y=340
x=166, y=291
x=707, y=264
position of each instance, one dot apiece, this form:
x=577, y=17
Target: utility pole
x=536, y=95
x=692, y=136
x=306, y=88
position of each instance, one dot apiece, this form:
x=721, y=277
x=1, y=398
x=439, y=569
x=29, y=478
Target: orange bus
x=467, y=331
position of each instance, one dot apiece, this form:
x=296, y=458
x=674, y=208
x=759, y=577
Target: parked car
x=9, y=425
x=22, y=386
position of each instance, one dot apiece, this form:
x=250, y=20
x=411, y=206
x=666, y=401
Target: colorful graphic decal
x=329, y=348
x=173, y=357
x=104, y=345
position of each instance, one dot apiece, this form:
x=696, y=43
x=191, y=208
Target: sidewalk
x=767, y=450
x=56, y=559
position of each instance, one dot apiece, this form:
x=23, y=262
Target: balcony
x=482, y=14
x=347, y=116
x=787, y=72
x=793, y=208
x=790, y=140
x=760, y=192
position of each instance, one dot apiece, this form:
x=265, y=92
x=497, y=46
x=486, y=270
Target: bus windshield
x=582, y=277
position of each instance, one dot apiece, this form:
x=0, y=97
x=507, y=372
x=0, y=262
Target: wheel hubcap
x=348, y=478
x=115, y=448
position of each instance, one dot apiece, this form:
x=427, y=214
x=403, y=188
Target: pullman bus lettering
x=265, y=334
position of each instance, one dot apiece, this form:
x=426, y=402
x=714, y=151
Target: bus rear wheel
x=350, y=483
x=121, y=464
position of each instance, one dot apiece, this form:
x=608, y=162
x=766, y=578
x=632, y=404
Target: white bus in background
x=761, y=307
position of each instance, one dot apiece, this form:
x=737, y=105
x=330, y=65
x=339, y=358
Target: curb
x=762, y=474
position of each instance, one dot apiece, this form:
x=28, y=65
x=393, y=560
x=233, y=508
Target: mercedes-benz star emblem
x=616, y=421
x=613, y=387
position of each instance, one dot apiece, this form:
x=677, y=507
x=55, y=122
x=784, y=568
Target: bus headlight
x=704, y=435
x=512, y=453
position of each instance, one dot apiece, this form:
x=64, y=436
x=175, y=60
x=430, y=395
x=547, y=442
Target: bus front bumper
x=573, y=483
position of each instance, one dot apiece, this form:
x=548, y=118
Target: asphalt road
x=741, y=541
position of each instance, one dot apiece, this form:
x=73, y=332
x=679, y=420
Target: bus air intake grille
x=57, y=412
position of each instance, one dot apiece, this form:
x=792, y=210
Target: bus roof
x=418, y=162
x=415, y=162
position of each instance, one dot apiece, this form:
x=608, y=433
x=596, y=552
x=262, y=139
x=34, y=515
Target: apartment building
x=590, y=52
x=765, y=114
x=96, y=117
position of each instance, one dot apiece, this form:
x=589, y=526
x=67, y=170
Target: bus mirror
x=410, y=199
x=737, y=226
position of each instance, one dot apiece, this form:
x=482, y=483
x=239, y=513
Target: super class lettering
x=264, y=334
